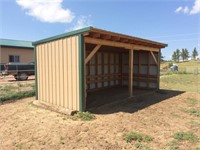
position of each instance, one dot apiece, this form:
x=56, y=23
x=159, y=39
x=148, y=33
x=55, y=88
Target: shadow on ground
x=115, y=100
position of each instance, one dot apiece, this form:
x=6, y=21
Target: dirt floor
x=160, y=115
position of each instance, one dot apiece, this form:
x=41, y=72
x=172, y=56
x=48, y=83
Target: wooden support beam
x=85, y=78
x=130, y=73
x=154, y=57
x=89, y=57
x=119, y=44
x=115, y=38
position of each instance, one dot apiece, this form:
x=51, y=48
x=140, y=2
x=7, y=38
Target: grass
x=7, y=88
x=186, y=136
x=84, y=116
x=194, y=123
x=13, y=92
x=186, y=79
x=173, y=145
x=189, y=66
x=192, y=101
x=193, y=111
x=141, y=146
x=181, y=82
x=17, y=95
x=26, y=85
x=136, y=136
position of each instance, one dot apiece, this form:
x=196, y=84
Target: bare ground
x=24, y=126
x=10, y=80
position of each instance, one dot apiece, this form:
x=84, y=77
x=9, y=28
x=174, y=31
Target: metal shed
x=70, y=65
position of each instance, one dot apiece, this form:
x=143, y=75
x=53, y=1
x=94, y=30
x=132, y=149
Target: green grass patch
x=17, y=95
x=194, y=112
x=136, y=136
x=194, y=123
x=26, y=85
x=84, y=116
x=173, y=145
x=7, y=88
x=186, y=136
x=140, y=146
x=192, y=101
x=197, y=148
x=181, y=82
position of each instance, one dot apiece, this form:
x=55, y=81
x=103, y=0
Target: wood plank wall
x=110, y=69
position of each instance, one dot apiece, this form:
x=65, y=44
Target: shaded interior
x=109, y=69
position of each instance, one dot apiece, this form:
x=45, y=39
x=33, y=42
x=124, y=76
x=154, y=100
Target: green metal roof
x=75, y=32
x=16, y=43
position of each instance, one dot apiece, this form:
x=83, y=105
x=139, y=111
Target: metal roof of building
x=100, y=32
x=16, y=43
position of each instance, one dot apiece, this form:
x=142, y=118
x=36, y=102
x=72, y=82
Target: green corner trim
x=76, y=32
x=81, y=72
x=36, y=81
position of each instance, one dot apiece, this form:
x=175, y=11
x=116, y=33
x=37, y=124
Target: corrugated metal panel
x=58, y=73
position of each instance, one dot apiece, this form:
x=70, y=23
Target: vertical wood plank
x=158, y=70
x=131, y=72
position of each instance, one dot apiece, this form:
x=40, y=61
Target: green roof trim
x=16, y=43
x=75, y=32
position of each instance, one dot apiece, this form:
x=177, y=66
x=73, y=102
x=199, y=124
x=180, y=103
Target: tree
x=177, y=55
x=194, y=53
x=186, y=54
x=161, y=57
x=174, y=57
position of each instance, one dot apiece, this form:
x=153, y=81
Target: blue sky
x=175, y=22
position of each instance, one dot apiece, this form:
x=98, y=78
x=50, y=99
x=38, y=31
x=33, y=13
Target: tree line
x=184, y=54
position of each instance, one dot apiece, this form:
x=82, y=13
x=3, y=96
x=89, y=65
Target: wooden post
x=85, y=78
x=158, y=73
x=130, y=73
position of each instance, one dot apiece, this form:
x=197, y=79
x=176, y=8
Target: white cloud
x=196, y=7
x=47, y=10
x=185, y=10
x=82, y=21
x=179, y=9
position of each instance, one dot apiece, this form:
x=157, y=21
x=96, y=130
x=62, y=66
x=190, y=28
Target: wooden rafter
x=119, y=44
x=106, y=37
x=95, y=35
x=89, y=57
x=154, y=57
x=115, y=38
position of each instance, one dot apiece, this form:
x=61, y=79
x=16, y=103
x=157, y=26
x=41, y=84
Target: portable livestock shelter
x=70, y=65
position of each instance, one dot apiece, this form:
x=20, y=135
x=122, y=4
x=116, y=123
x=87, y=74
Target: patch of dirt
x=10, y=80
x=24, y=126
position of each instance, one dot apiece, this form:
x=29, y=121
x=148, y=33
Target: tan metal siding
x=26, y=55
x=58, y=73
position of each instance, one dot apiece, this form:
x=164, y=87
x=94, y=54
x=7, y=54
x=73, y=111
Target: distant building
x=16, y=51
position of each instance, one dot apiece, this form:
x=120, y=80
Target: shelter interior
x=112, y=61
